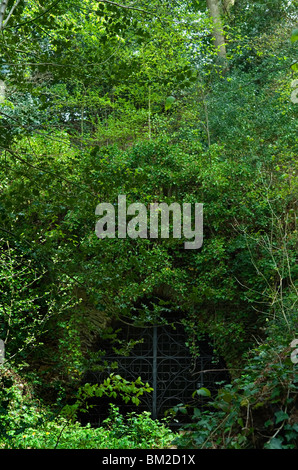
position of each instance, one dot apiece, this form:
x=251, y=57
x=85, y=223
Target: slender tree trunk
x=219, y=40
x=3, y=7
x=2, y=91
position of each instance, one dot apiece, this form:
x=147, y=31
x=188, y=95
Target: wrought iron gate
x=162, y=358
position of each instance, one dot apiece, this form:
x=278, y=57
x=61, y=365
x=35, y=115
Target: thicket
x=102, y=101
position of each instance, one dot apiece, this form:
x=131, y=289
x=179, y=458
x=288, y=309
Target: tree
x=219, y=39
x=105, y=98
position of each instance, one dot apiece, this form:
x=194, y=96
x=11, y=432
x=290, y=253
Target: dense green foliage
x=103, y=100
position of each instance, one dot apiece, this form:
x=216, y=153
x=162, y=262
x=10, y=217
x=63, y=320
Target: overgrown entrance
x=162, y=358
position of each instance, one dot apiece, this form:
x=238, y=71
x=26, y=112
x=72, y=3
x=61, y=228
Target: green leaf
x=275, y=443
x=268, y=423
x=197, y=413
x=169, y=102
x=204, y=392
x=281, y=416
x=294, y=36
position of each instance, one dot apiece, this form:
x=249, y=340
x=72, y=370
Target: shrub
x=258, y=410
x=137, y=431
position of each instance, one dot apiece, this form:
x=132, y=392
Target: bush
x=137, y=431
x=258, y=410
x=26, y=424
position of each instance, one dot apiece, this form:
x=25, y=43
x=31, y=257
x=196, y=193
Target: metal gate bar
x=164, y=361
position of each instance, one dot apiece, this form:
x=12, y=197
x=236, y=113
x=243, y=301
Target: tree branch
x=10, y=13
x=38, y=16
x=3, y=7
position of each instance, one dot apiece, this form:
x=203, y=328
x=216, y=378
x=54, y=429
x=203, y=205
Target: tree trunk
x=3, y=7
x=219, y=40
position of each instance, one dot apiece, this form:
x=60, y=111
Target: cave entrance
x=162, y=358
